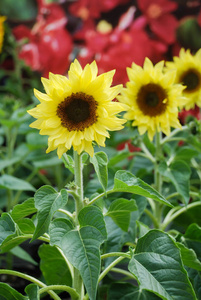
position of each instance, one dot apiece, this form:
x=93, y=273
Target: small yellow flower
x=152, y=98
x=188, y=73
x=78, y=110
x=2, y=19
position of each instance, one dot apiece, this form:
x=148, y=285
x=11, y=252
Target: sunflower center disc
x=77, y=111
x=150, y=99
x=191, y=80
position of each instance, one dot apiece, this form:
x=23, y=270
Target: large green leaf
x=57, y=229
x=7, y=227
x=158, y=268
x=82, y=249
x=120, y=211
x=127, y=182
x=179, y=174
x=92, y=216
x=47, y=202
x=8, y=293
x=24, y=209
x=13, y=183
x=100, y=162
x=32, y=290
x=127, y=291
x=189, y=257
x=53, y=266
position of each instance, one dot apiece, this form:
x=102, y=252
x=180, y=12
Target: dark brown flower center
x=77, y=111
x=150, y=99
x=191, y=79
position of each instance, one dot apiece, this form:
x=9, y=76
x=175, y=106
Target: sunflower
x=188, y=73
x=77, y=111
x=152, y=98
x=2, y=19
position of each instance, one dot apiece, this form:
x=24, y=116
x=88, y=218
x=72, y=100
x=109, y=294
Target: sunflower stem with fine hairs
x=158, y=178
x=77, y=280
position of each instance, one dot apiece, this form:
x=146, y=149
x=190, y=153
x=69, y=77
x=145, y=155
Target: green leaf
x=185, y=153
x=100, y=162
x=127, y=182
x=47, y=202
x=195, y=278
x=57, y=229
x=92, y=216
x=49, y=162
x=4, y=163
x=119, y=156
x=53, y=266
x=126, y=291
x=26, y=226
x=32, y=290
x=82, y=249
x=158, y=268
x=193, y=239
x=143, y=228
x=13, y=183
x=193, y=232
x=179, y=174
x=24, y=209
x=8, y=293
x=68, y=162
x=22, y=10
x=189, y=257
x=120, y=212
x=7, y=227
x=21, y=253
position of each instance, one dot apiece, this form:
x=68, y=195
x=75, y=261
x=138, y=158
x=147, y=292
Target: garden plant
x=100, y=184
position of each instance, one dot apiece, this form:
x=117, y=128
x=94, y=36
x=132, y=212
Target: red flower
x=46, y=47
x=157, y=15
x=117, y=48
x=184, y=114
x=93, y=8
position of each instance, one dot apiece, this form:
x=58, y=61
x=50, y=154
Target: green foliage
x=156, y=262
x=47, y=202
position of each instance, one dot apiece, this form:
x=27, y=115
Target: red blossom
x=45, y=47
x=157, y=14
x=92, y=8
x=184, y=114
x=117, y=48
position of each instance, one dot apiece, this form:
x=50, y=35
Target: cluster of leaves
x=118, y=232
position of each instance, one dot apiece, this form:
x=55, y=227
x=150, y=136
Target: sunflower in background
x=77, y=111
x=188, y=73
x=152, y=98
x=2, y=19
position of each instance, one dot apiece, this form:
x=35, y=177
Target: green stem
x=108, y=269
x=79, y=204
x=120, y=254
x=174, y=132
x=65, y=288
x=67, y=213
x=31, y=279
x=176, y=211
x=158, y=179
x=192, y=194
x=124, y=272
x=78, y=182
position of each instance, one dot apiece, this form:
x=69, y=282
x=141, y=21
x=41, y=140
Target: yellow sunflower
x=152, y=98
x=2, y=19
x=188, y=73
x=78, y=110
